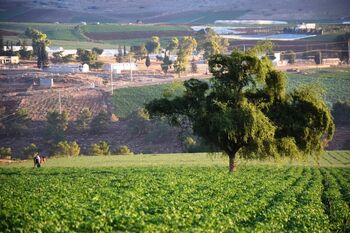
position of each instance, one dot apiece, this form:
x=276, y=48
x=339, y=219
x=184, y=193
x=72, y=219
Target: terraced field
x=176, y=198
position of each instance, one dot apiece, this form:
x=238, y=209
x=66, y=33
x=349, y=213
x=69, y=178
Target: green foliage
x=210, y=42
x=16, y=124
x=246, y=109
x=153, y=45
x=139, y=51
x=86, y=56
x=30, y=151
x=96, y=50
x=289, y=55
x=123, y=150
x=102, y=148
x=97, y=65
x=56, y=125
x=84, y=119
x=187, y=45
x=166, y=64
x=5, y=152
x=100, y=122
x=39, y=43
x=23, y=52
x=148, y=61
x=67, y=148
x=173, y=44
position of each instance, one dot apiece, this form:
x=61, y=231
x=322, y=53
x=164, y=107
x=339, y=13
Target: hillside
x=196, y=11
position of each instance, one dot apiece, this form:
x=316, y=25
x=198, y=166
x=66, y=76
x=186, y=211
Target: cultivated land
x=175, y=193
x=196, y=11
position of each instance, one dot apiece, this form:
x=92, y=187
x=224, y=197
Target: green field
x=174, y=193
x=67, y=36
x=336, y=83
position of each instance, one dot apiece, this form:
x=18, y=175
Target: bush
x=67, y=148
x=30, y=151
x=124, y=150
x=102, y=148
x=5, y=153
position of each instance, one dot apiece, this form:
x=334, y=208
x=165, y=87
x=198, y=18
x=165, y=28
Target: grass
x=328, y=159
x=128, y=100
x=66, y=36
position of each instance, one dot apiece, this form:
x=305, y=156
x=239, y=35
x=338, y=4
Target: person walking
x=37, y=161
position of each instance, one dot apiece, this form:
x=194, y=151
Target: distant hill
x=179, y=11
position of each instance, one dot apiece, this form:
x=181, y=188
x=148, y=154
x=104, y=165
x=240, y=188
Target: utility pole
x=111, y=79
x=130, y=69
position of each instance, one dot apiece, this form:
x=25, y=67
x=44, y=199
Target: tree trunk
x=231, y=163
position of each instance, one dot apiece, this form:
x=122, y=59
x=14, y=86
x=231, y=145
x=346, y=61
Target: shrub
x=30, y=151
x=124, y=150
x=5, y=153
x=67, y=148
x=102, y=148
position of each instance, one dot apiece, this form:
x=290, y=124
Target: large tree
x=210, y=42
x=39, y=43
x=187, y=46
x=246, y=110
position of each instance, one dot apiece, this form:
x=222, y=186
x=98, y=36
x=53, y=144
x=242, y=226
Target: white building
x=119, y=67
x=109, y=53
x=77, y=68
x=17, y=48
x=50, y=50
x=9, y=59
x=305, y=26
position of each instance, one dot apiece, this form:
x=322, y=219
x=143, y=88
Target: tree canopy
x=245, y=110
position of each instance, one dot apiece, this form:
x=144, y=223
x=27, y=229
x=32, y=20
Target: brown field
x=8, y=33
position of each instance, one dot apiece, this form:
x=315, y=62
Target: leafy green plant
x=5, y=152
x=123, y=150
x=101, y=148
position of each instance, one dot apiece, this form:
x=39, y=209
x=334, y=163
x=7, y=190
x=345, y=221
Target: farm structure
x=46, y=82
x=119, y=67
x=68, y=68
x=17, y=48
x=9, y=59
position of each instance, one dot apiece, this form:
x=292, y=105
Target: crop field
x=174, y=195
x=336, y=83
x=108, y=35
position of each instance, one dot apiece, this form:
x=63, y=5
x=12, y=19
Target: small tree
x=100, y=122
x=166, y=64
x=98, y=51
x=17, y=123
x=173, y=44
x=153, y=45
x=139, y=51
x=194, y=67
x=102, y=148
x=318, y=58
x=30, y=151
x=67, y=148
x=148, y=62
x=56, y=125
x=123, y=150
x=5, y=153
x=86, y=56
x=84, y=119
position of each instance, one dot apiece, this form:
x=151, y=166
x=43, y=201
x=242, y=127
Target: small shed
x=46, y=82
